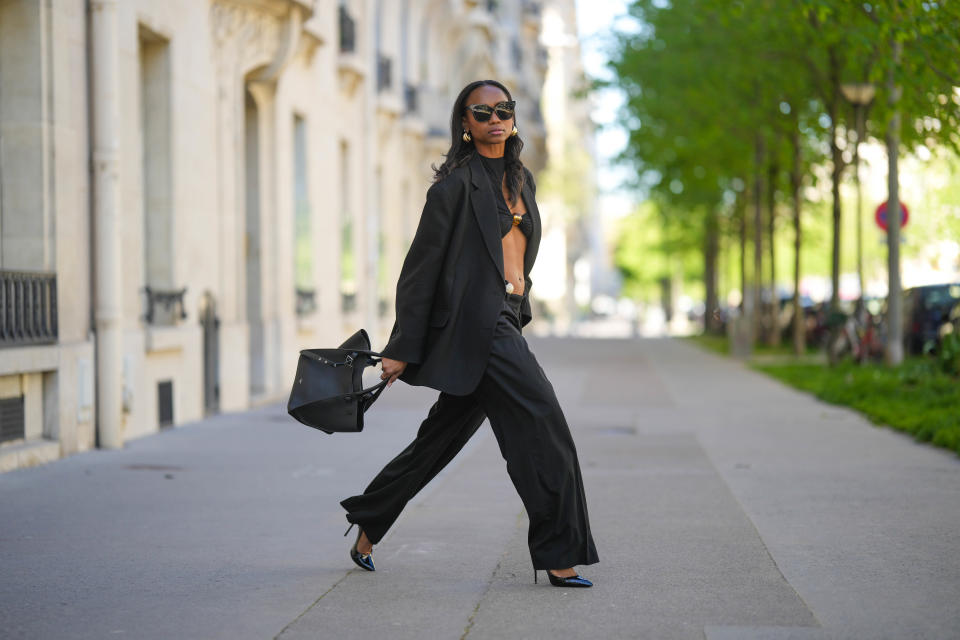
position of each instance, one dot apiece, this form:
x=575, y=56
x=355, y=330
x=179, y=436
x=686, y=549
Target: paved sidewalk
x=723, y=504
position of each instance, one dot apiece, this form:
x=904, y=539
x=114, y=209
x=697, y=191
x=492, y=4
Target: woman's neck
x=491, y=150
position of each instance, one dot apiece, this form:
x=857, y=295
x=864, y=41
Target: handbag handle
x=367, y=396
x=348, y=361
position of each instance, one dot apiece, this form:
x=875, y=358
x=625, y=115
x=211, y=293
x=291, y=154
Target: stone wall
x=249, y=132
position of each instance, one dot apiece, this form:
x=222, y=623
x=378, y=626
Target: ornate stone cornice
x=481, y=20
x=258, y=34
x=351, y=70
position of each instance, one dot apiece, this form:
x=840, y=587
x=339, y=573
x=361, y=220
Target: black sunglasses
x=482, y=112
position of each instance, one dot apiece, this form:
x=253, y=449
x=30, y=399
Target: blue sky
x=595, y=19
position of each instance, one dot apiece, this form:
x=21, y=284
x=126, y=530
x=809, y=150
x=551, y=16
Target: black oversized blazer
x=451, y=286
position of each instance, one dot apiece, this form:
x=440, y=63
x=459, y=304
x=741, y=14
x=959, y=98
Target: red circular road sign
x=881, y=216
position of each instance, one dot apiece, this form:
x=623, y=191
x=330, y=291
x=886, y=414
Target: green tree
x=723, y=95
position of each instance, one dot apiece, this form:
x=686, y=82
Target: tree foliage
x=728, y=102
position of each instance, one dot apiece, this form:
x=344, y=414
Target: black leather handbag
x=328, y=391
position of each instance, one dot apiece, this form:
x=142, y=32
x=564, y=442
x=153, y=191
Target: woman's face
x=493, y=131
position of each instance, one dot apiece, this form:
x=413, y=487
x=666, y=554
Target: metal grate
x=28, y=308
x=11, y=419
x=165, y=403
x=170, y=300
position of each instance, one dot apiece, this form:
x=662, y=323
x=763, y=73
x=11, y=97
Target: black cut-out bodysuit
x=495, y=168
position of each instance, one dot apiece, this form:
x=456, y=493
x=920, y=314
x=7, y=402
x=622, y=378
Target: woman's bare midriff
x=514, y=247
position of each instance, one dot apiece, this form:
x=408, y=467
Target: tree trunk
x=835, y=175
x=799, y=330
x=742, y=210
x=739, y=328
x=773, y=318
x=894, y=348
x=710, y=253
x=859, y=117
x=757, y=239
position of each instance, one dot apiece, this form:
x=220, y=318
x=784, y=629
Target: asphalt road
x=724, y=506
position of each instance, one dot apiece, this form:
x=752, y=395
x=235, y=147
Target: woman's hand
x=391, y=369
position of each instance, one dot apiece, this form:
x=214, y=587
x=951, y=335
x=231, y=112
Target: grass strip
x=720, y=344
x=914, y=397
x=717, y=344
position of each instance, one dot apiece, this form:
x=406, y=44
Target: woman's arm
x=418, y=277
x=392, y=369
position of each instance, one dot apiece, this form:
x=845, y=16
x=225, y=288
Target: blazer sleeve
x=418, y=277
x=526, y=312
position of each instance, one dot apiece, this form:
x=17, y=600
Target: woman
x=461, y=302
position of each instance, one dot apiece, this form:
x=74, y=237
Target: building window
x=12, y=421
x=384, y=72
x=165, y=404
x=348, y=260
x=382, y=268
x=156, y=170
x=302, y=240
x=348, y=30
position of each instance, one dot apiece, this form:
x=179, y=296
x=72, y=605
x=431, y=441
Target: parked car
x=925, y=309
x=951, y=322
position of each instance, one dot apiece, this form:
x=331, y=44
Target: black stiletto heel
x=363, y=560
x=572, y=581
x=534, y=576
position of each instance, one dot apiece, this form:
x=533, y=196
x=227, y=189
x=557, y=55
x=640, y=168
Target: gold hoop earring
x=515, y=131
x=466, y=136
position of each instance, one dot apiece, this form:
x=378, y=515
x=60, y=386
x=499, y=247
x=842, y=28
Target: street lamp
x=860, y=95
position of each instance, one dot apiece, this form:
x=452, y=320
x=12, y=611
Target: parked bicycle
x=855, y=336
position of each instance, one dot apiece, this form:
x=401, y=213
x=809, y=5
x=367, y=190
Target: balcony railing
x=170, y=301
x=384, y=75
x=348, y=31
x=306, y=301
x=348, y=302
x=28, y=308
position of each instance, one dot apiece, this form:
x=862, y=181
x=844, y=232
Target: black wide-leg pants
x=534, y=440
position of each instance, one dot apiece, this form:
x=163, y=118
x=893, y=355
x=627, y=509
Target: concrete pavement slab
x=676, y=552
x=765, y=633
x=434, y=564
x=723, y=504
x=862, y=521
x=228, y=528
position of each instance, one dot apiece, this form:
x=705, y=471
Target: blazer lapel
x=485, y=210
x=533, y=244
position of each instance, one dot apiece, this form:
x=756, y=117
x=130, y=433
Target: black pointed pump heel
x=363, y=560
x=572, y=581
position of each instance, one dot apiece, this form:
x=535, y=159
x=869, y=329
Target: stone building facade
x=572, y=247
x=191, y=191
